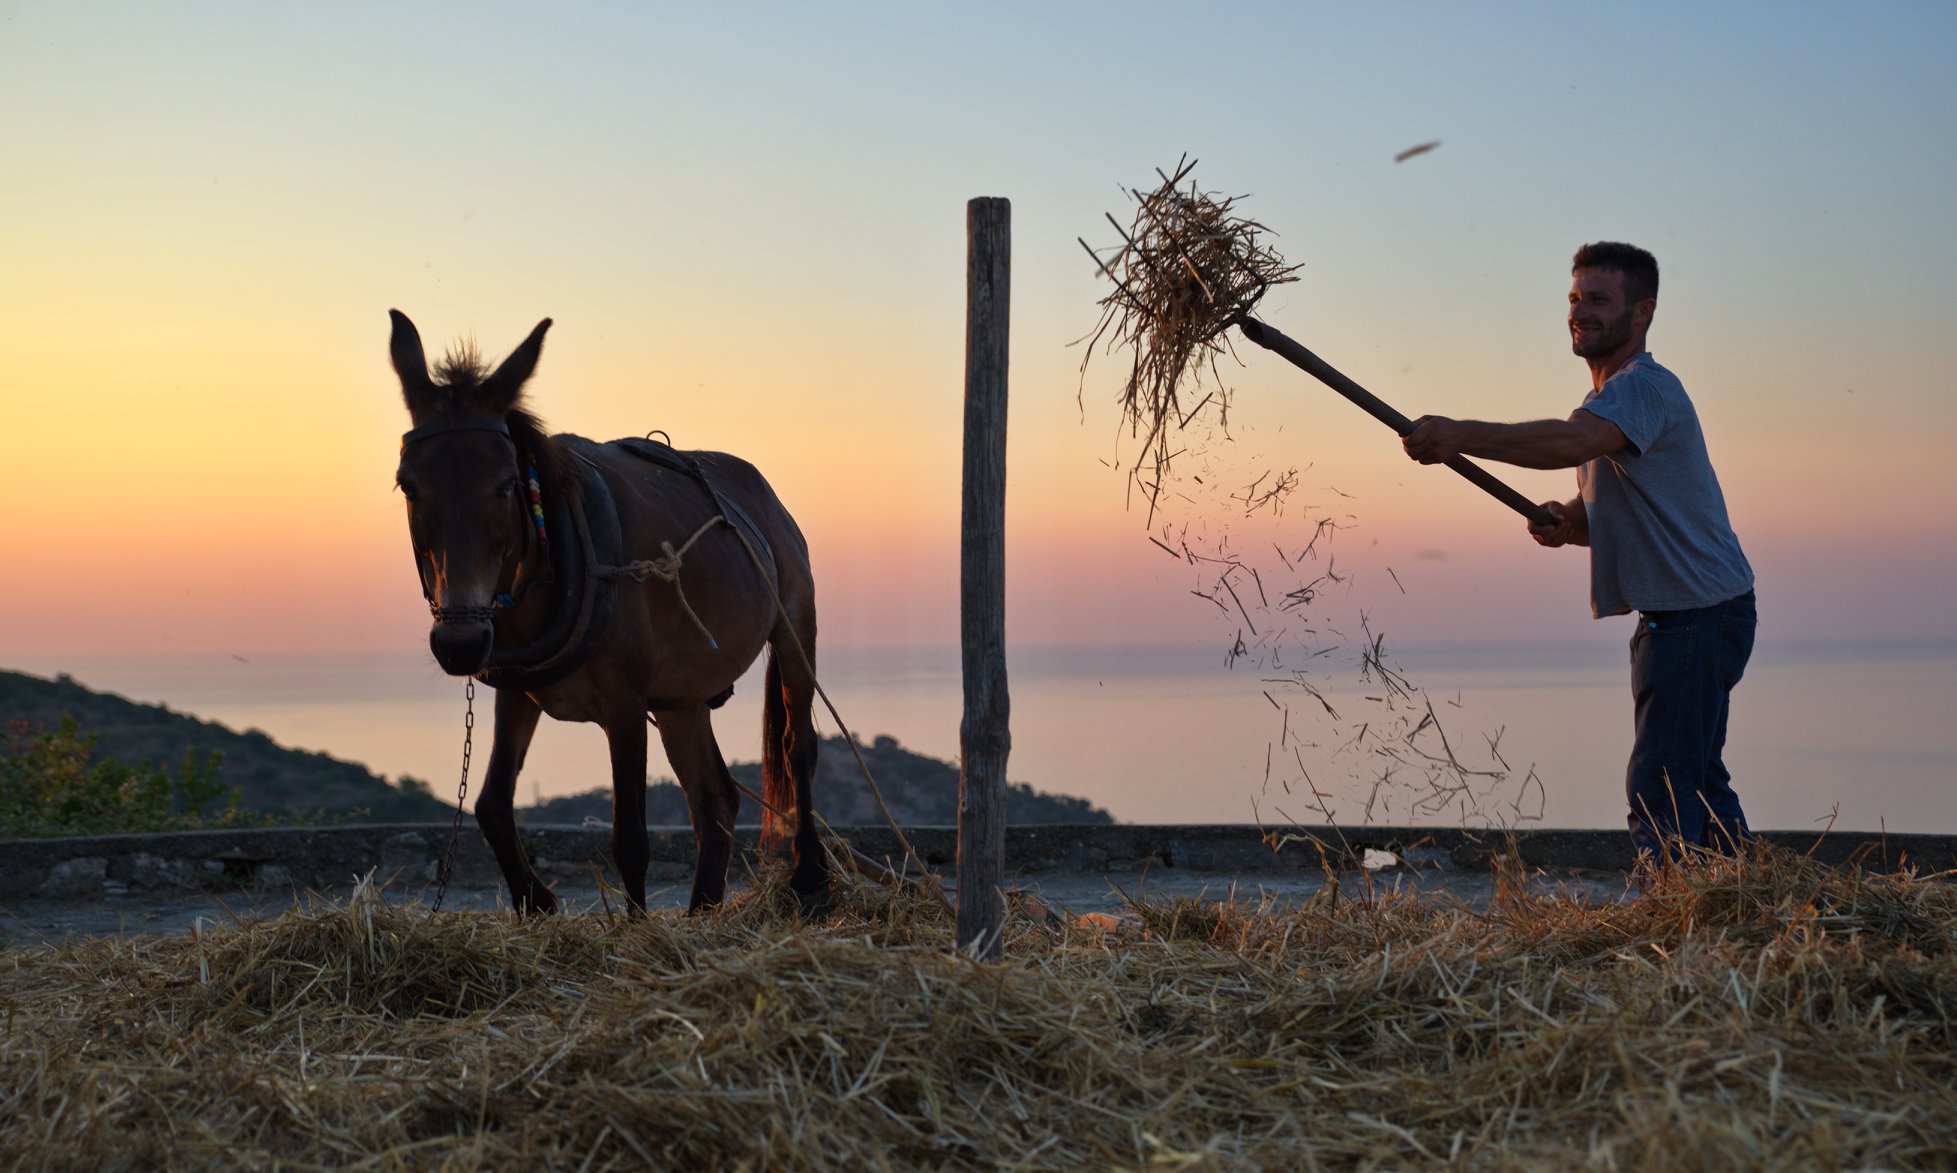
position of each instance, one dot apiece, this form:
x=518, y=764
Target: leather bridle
x=466, y=614
x=440, y=426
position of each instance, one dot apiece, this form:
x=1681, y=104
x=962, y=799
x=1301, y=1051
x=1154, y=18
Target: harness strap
x=582, y=598
x=440, y=426
x=669, y=457
x=522, y=587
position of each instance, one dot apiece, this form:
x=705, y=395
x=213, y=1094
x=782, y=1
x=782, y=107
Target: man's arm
x=1572, y=526
x=1539, y=444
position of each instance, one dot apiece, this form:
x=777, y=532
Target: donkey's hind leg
x=516, y=724
x=788, y=760
x=711, y=798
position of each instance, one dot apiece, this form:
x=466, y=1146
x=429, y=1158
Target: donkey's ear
x=409, y=361
x=503, y=387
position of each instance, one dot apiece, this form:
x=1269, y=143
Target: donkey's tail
x=777, y=787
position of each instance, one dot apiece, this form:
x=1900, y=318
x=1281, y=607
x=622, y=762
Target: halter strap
x=440, y=426
x=535, y=512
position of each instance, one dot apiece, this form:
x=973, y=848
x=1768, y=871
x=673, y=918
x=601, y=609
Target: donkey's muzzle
x=460, y=646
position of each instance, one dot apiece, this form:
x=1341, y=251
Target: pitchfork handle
x=1275, y=340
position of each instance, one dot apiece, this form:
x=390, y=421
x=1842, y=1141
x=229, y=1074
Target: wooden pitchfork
x=1276, y=341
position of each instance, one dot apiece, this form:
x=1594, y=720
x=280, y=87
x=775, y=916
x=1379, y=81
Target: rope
x=666, y=568
x=876, y=792
x=843, y=852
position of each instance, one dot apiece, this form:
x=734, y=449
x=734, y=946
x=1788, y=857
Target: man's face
x=1602, y=319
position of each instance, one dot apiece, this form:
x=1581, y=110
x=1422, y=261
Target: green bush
x=49, y=786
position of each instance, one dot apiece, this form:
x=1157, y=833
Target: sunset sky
x=748, y=224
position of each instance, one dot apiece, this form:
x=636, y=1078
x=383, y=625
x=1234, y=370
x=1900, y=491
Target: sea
x=1848, y=735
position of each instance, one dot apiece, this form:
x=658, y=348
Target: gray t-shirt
x=1659, y=536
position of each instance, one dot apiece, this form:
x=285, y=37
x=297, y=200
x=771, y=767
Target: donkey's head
x=460, y=473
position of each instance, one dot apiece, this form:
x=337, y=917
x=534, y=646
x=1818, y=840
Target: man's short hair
x=1639, y=267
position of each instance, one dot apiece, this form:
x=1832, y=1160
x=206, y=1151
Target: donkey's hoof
x=540, y=902
x=814, y=899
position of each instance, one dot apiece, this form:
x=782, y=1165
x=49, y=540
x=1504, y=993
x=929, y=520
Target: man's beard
x=1607, y=338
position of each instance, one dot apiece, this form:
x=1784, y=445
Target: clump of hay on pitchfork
x=1186, y=270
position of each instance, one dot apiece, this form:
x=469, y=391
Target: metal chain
x=447, y=867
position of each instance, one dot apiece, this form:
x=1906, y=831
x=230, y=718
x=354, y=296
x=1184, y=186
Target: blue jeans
x=1684, y=665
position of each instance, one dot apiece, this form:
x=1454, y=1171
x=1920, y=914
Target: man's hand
x=1568, y=528
x=1435, y=439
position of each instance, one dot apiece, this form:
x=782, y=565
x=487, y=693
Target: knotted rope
x=666, y=568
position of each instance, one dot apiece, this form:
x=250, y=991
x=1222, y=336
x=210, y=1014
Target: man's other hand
x=1435, y=439
x=1561, y=533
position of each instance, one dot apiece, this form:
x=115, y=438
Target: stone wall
x=331, y=857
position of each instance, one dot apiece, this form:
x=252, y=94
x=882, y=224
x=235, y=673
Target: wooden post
x=984, y=736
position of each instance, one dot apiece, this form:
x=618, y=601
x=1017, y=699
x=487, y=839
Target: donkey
x=619, y=583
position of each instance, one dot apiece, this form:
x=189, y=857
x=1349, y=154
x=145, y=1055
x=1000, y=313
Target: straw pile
x=1772, y=1015
x=1187, y=268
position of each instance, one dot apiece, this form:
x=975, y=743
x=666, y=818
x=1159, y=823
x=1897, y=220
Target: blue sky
x=748, y=223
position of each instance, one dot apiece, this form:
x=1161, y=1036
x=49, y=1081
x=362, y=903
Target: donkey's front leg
x=631, y=848
x=516, y=723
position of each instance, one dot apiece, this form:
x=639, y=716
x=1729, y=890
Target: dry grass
x=1188, y=267
x=1771, y=1015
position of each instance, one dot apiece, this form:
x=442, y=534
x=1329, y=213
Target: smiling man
x=1649, y=508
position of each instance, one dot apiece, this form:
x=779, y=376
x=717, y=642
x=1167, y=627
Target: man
x=1649, y=508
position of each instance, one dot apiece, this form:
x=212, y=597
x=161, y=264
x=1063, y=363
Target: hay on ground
x=1771, y=1014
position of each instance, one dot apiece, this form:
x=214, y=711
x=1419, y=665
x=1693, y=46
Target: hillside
x=921, y=791
x=269, y=776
